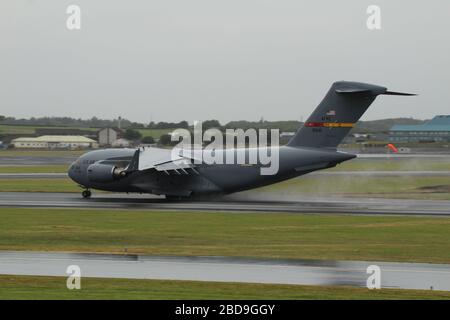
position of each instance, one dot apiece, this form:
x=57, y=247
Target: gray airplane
x=156, y=171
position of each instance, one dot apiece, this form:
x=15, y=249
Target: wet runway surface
x=234, y=203
x=353, y=273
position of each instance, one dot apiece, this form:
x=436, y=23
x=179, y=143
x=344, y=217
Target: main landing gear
x=86, y=194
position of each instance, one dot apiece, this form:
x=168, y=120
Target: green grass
x=401, y=187
x=35, y=169
x=41, y=153
x=38, y=185
x=16, y=129
x=155, y=133
x=25, y=129
x=264, y=235
x=395, y=164
x=33, y=287
x=11, y=129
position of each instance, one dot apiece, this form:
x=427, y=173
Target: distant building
x=65, y=132
x=54, y=142
x=107, y=136
x=435, y=130
x=361, y=137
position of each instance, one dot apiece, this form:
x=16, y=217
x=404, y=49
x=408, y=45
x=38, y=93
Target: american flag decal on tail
x=329, y=124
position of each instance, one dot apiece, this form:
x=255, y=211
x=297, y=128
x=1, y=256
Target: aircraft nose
x=71, y=172
x=74, y=173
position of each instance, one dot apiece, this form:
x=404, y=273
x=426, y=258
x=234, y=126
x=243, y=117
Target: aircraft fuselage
x=204, y=179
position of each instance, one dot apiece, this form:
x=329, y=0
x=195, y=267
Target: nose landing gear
x=86, y=194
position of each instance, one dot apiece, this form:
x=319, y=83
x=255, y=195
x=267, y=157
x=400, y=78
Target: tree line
x=95, y=122
x=132, y=134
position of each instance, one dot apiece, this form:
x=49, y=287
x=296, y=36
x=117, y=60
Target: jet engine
x=99, y=172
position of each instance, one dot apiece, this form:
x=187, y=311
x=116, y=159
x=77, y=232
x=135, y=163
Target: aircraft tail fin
x=342, y=107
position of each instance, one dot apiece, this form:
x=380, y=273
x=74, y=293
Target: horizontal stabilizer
x=352, y=90
x=393, y=93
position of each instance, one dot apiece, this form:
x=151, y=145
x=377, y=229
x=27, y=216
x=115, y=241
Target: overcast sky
x=170, y=60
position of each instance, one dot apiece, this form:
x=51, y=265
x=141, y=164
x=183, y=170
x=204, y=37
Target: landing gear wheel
x=86, y=194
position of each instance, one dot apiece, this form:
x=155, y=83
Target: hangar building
x=435, y=130
x=55, y=142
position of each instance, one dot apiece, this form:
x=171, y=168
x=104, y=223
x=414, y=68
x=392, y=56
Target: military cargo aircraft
x=158, y=171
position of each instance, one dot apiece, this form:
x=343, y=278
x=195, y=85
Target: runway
x=300, y=272
x=235, y=203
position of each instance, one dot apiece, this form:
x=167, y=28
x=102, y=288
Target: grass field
x=15, y=129
x=35, y=169
x=395, y=164
x=264, y=235
x=41, y=153
x=32, y=287
x=155, y=133
x=20, y=129
x=38, y=185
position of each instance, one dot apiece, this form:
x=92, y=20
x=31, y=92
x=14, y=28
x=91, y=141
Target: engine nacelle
x=98, y=172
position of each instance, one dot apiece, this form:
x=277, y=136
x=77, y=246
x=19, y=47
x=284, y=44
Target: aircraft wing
x=163, y=160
